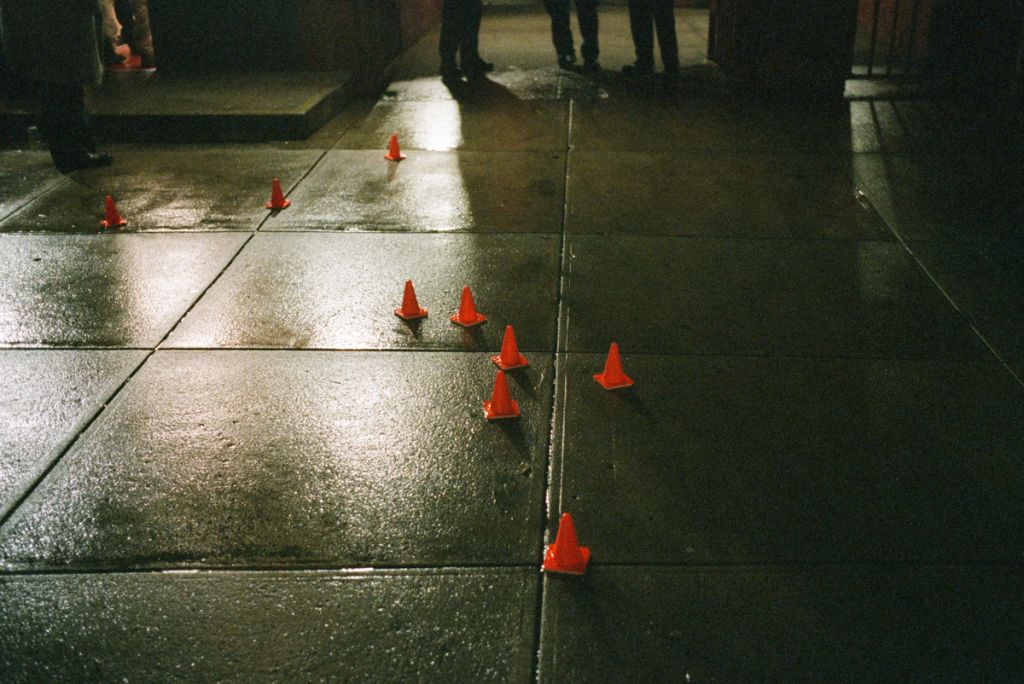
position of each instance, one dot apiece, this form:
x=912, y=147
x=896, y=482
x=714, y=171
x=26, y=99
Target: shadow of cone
x=468, y=316
x=566, y=556
x=112, y=219
x=613, y=377
x=410, y=306
x=510, y=358
x=394, y=151
x=501, y=404
x=277, y=201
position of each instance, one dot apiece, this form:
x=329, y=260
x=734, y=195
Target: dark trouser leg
x=452, y=29
x=640, y=25
x=474, y=13
x=63, y=120
x=586, y=13
x=561, y=33
x=665, y=22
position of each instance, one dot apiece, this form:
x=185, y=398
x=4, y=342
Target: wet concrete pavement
x=224, y=457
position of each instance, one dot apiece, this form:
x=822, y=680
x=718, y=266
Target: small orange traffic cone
x=394, y=151
x=613, y=377
x=510, y=358
x=113, y=219
x=566, y=556
x=277, y=201
x=410, y=307
x=501, y=404
x=468, y=316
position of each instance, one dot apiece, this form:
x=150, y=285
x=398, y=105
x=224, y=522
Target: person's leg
x=640, y=26
x=111, y=33
x=452, y=26
x=64, y=123
x=561, y=31
x=586, y=14
x=142, y=36
x=665, y=22
x=469, y=52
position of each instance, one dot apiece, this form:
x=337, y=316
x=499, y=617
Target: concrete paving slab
x=430, y=191
x=494, y=121
x=973, y=198
x=792, y=624
x=24, y=174
x=286, y=459
x=450, y=625
x=48, y=396
x=103, y=291
x=747, y=460
x=186, y=188
x=722, y=195
x=712, y=121
x=339, y=291
x=988, y=291
x=776, y=297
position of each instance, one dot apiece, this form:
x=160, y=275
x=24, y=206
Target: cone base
x=576, y=569
x=492, y=415
x=391, y=157
x=114, y=224
x=278, y=207
x=521, y=363
x=622, y=384
x=422, y=313
x=468, y=324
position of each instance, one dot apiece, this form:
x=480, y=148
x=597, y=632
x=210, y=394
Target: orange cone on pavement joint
x=501, y=404
x=510, y=358
x=394, y=151
x=112, y=218
x=468, y=315
x=277, y=200
x=613, y=377
x=410, y=306
x=566, y=556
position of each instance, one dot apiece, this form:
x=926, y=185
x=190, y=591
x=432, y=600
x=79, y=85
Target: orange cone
x=566, y=556
x=277, y=201
x=501, y=404
x=394, y=151
x=410, y=307
x=510, y=358
x=468, y=316
x=113, y=219
x=613, y=377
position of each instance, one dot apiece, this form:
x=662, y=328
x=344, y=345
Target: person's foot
x=475, y=66
x=591, y=67
x=66, y=162
x=567, y=62
x=450, y=73
x=148, y=60
x=638, y=70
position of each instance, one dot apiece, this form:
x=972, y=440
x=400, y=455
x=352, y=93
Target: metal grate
x=891, y=38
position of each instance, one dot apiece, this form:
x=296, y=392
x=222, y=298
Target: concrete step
x=135, y=106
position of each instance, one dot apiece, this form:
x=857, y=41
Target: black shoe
x=638, y=70
x=450, y=73
x=567, y=62
x=66, y=162
x=476, y=66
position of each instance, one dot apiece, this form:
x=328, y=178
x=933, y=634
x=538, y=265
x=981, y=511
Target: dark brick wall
x=359, y=35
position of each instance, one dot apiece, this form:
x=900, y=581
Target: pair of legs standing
x=460, y=35
x=561, y=32
x=646, y=16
